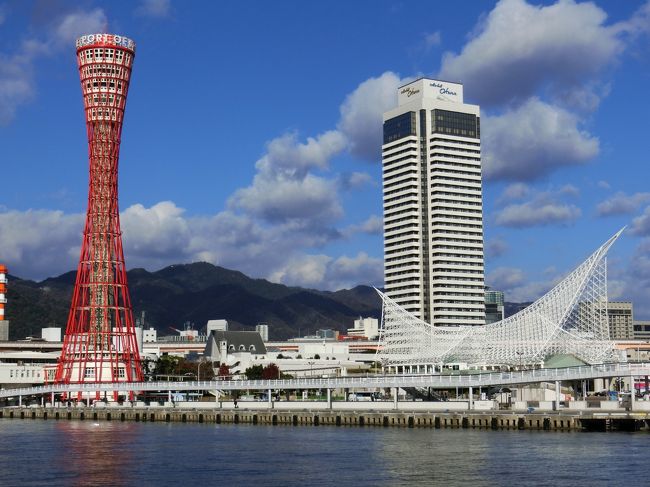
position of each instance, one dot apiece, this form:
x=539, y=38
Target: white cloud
x=39, y=243
x=632, y=283
x=621, y=204
x=75, y=24
x=532, y=140
x=324, y=272
x=532, y=214
x=374, y=225
x=641, y=224
x=154, y=8
x=355, y=180
x=603, y=184
x=514, y=191
x=432, y=39
x=305, y=270
x=362, y=111
x=519, y=48
x=16, y=69
x=496, y=247
x=517, y=289
x=543, y=208
x=284, y=188
x=346, y=272
x=43, y=243
x=502, y=278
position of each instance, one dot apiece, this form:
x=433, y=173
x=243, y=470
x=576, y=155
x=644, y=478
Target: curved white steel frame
x=570, y=319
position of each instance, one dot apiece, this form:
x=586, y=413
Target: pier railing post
x=557, y=395
x=270, y=399
x=395, y=392
x=329, y=398
x=471, y=398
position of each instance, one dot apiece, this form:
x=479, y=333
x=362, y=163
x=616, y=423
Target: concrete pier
x=492, y=420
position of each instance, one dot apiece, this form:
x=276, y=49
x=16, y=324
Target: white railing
x=365, y=382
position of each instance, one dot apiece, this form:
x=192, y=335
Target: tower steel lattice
x=100, y=343
x=570, y=319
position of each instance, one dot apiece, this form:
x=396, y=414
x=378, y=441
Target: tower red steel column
x=100, y=343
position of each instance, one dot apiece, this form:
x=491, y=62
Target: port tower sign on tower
x=100, y=342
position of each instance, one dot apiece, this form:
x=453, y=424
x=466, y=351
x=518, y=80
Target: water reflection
x=97, y=453
x=80, y=453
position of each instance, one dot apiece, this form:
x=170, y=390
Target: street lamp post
x=311, y=368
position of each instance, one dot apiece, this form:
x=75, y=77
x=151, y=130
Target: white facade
x=51, y=334
x=263, y=330
x=433, y=217
x=365, y=327
x=219, y=325
x=150, y=335
x=323, y=349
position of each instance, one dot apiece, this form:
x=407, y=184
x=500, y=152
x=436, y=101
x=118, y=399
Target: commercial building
x=620, y=316
x=433, y=217
x=4, y=324
x=494, y=307
x=365, y=328
x=642, y=330
x=263, y=330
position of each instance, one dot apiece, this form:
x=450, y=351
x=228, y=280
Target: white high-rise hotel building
x=433, y=217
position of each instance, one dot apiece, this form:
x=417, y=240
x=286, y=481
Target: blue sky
x=252, y=133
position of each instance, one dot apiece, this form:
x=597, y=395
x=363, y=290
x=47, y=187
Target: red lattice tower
x=100, y=342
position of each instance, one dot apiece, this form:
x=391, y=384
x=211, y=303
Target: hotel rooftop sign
x=430, y=89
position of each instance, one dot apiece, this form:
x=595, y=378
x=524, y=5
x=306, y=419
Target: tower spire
x=100, y=343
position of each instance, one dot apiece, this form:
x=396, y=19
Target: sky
x=253, y=130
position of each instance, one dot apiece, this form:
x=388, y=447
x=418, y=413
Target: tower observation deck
x=100, y=343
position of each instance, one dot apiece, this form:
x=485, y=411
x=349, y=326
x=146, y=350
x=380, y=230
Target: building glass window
x=399, y=127
x=454, y=123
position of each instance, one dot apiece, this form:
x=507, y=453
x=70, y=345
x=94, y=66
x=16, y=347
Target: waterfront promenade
x=409, y=415
x=371, y=382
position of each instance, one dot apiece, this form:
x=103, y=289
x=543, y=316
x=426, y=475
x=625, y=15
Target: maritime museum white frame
x=570, y=319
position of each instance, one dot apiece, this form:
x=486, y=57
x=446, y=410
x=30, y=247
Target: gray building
x=494, y=306
x=221, y=343
x=620, y=315
x=642, y=330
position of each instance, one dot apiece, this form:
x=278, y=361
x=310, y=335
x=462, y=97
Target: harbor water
x=76, y=453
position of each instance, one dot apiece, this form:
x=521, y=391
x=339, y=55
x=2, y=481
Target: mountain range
x=196, y=293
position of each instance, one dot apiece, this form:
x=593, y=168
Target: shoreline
x=489, y=420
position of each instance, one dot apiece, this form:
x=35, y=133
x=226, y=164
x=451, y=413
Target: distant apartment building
x=494, y=306
x=620, y=316
x=432, y=198
x=4, y=323
x=365, y=327
x=642, y=330
x=263, y=330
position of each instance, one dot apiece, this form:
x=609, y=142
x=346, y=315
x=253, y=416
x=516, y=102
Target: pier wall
x=493, y=420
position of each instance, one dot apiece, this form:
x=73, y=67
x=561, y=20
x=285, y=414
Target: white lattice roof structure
x=570, y=319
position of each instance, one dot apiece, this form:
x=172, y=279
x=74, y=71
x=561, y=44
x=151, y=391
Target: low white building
x=51, y=334
x=216, y=325
x=365, y=327
x=323, y=349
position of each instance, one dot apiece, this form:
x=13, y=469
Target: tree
x=224, y=371
x=166, y=365
x=317, y=357
x=254, y=372
x=271, y=371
